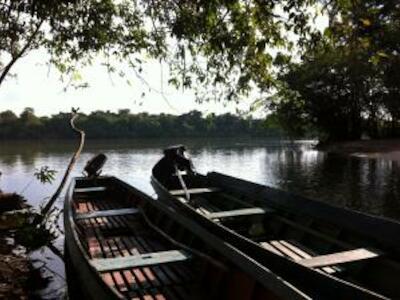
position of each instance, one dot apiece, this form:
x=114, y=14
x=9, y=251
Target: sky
x=38, y=86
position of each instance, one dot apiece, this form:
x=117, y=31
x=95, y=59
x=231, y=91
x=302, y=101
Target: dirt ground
x=14, y=264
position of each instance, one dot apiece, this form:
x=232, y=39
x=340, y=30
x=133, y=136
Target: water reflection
x=370, y=185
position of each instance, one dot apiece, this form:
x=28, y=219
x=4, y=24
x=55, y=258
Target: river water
x=364, y=184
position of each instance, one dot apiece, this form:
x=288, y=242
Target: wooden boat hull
x=78, y=261
x=322, y=281
x=89, y=266
x=313, y=283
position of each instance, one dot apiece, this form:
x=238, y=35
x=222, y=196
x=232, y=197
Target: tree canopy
x=348, y=82
x=227, y=44
x=343, y=81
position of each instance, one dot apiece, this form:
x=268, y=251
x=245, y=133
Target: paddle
x=182, y=182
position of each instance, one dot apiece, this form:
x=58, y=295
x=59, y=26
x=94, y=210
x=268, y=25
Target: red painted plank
x=108, y=279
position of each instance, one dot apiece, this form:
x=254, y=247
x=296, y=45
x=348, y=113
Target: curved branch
x=71, y=165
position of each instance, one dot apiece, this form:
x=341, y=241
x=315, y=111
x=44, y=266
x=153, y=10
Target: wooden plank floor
x=117, y=236
x=294, y=251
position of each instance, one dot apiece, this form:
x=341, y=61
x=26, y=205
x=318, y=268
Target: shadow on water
x=368, y=185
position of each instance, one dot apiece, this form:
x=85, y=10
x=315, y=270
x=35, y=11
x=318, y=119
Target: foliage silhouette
x=123, y=124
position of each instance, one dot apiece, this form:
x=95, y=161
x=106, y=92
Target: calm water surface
x=369, y=185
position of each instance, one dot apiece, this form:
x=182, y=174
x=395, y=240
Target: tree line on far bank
x=124, y=124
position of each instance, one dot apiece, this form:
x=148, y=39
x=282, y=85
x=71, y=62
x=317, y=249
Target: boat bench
x=328, y=263
x=194, y=191
x=339, y=258
x=181, y=173
x=107, y=213
x=252, y=211
x=140, y=260
x=90, y=189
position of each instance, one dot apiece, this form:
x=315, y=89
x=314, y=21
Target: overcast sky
x=37, y=87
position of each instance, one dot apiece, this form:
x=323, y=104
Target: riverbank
x=385, y=149
x=15, y=266
x=19, y=278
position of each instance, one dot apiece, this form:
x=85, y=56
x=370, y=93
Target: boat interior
x=120, y=234
x=304, y=239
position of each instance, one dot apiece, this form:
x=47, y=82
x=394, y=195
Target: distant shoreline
x=387, y=148
x=127, y=125
x=152, y=138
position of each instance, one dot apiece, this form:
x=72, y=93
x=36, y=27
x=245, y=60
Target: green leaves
x=229, y=45
x=223, y=49
x=45, y=175
x=366, y=22
x=345, y=82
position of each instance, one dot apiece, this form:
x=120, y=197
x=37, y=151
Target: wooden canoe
x=122, y=244
x=326, y=251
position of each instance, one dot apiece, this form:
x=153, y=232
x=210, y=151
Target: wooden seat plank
x=107, y=213
x=155, y=258
x=148, y=245
x=308, y=254
x=285, y=250
x=200, y=207
x=339, y=258
x=269, y=247
x=194, y=191
x=237, y=213
x=295, y=253
x=90, y=189
x=180, y=173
